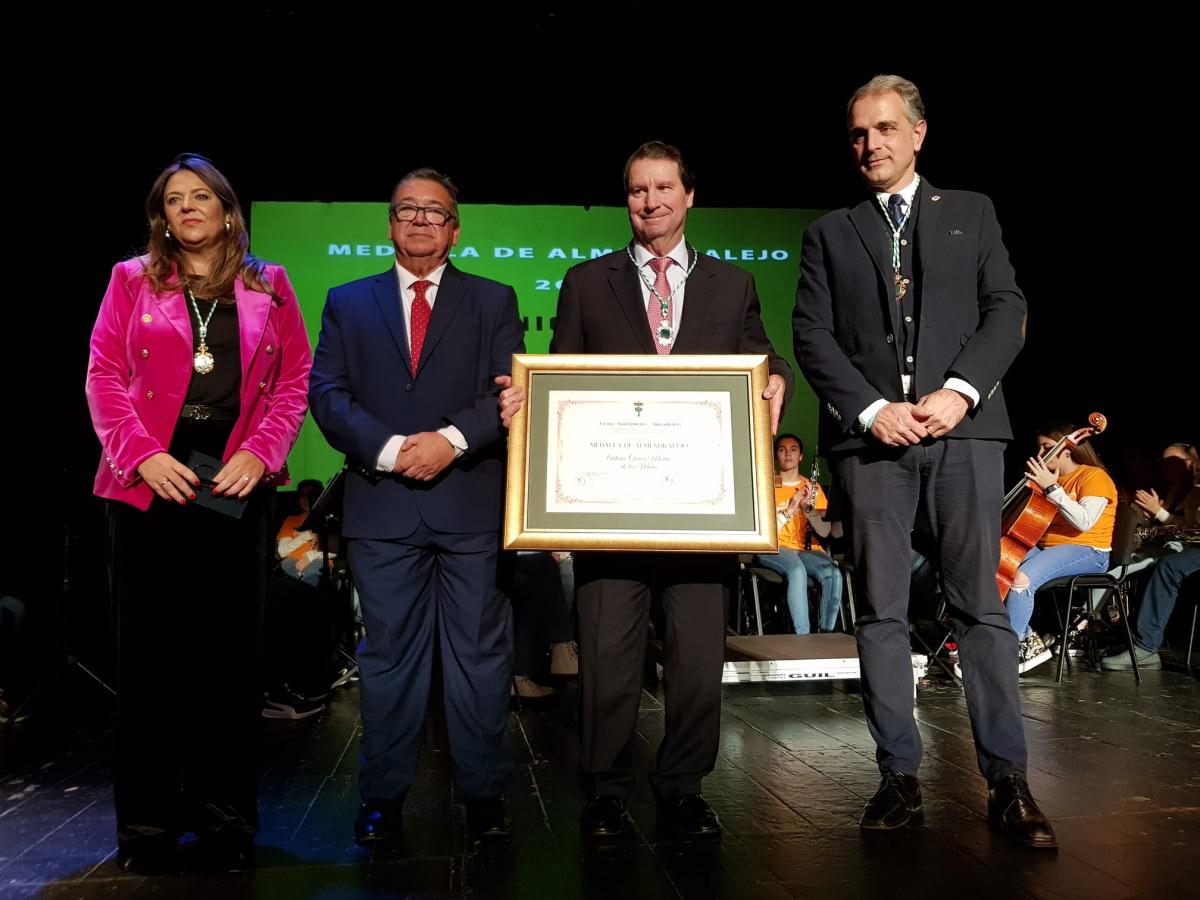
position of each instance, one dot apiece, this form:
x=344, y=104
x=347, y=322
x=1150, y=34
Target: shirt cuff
x=963, y=387
x=866, y=418
x=456, y=439
x=1162, y=515
x=387, y=456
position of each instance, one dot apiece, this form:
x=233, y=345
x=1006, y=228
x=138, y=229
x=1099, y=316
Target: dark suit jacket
x=970, y=313
x=601, y=310
x=363, y=391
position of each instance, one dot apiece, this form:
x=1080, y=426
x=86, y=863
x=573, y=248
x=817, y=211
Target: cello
x=1027, y=512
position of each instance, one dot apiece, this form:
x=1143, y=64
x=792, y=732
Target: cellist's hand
x=1036, y=471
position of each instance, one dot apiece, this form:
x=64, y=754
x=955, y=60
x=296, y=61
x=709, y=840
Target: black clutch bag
x=206, y=468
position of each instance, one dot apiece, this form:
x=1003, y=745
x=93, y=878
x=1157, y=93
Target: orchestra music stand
x=65, y=661
x=325, y=519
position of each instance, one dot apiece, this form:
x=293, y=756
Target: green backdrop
x=529, y=247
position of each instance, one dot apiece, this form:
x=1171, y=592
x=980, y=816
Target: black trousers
x=189, y=585
x=298, y=633
x=613, y=593
x=955, y=489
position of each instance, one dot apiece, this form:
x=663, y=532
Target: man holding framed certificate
x=657, y=295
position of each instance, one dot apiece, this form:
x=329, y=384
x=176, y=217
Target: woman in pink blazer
x=199, y=349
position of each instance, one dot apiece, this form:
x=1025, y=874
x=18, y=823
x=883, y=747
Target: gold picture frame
x=601, y=453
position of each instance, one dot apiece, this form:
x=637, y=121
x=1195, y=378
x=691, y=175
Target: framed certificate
x=641, y=453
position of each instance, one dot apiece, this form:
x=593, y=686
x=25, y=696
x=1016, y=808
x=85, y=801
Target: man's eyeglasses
x=434, y=215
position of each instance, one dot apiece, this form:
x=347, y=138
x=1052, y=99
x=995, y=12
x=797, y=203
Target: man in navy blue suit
x=403, y=384
x=907, y=316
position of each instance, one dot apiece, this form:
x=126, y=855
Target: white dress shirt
x=387, y=456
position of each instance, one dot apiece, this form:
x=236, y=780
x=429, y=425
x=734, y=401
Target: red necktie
x=420, y=321
x=660, y=296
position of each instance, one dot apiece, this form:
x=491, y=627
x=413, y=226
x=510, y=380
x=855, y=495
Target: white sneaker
x=528, y=689
x=1031, y=652
x=284, y=703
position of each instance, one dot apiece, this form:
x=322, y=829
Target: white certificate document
x=640, y=452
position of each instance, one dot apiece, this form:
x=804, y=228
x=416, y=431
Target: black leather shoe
x=1014, y=813
x=897, y=803
x=603, y=817
x=150, y=855
x=147, y=850
x=689, y=815
x=146, y=862
x=487, y=818
x=225, y=839
x=225, y=852
x=377, y=821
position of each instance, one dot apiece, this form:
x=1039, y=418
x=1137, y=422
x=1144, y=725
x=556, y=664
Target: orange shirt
x=291, y=529
x=1086, y=481
x=793, y=532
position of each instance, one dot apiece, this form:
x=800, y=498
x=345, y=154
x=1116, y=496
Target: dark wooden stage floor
x=1117, y=768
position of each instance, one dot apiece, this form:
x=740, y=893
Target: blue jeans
x=1162, y=590
x=311, y=574
x=796, y=566
x=1041, y=566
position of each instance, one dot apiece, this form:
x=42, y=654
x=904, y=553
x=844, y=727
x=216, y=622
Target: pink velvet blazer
x=141, y=363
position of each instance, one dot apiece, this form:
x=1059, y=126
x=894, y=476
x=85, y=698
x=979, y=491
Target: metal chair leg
x=757, y=603
x=739, y=611
x=1123, y=605
x=1062, y=640
x=1093, y=616
x=1192, y=635
x=935, y=656
x=847, y=582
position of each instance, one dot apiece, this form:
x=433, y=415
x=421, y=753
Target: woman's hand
x=1148, y=501
x=1036, y=471
x=169, y=478
x=239, y=476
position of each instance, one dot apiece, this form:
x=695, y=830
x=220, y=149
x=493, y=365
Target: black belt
x=200, y=412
